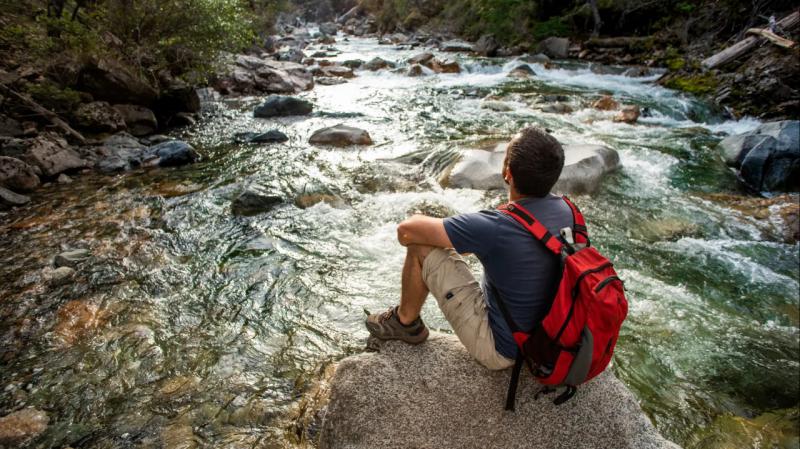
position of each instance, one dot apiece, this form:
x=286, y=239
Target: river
x=201, y=328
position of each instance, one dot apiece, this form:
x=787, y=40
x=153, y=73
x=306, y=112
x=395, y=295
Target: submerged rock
x=21, y=426
x=628, y=114
x=9, y=199
x=415, y=70
x=71, y=258
x=445, y=65
x=605, y=103
x=521, y=71
x=16, y=174
x=340, y=135
x=441, y=398
x=280, y=106
x=271, y=136
x=768, y=158
x=499, y=106
x=557, y=108
x=255, y=199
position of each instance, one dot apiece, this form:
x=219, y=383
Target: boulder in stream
x=171, y=154
x=605, y=103
x=456, y=46
x=255, y=199
x=9, y=199
x=281, y=106
x=139, y=120
x=628, y=114
x=271, y=136
x=21, y=426
x=445, y=65
x=434, y=395
x=421, y=58
x=585, y=166
x=768, y=158
x=487, y=45
x=521, y=71
x=555, y=47
x=52, y=155
x=98, y=116
x=340, y=135
x=378, y=63
x=16, y=174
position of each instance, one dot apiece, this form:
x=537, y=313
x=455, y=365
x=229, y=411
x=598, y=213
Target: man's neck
x=514, y=196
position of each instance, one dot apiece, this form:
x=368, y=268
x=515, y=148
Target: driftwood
x=44, y=112
x=772, y=37
x=747, y=44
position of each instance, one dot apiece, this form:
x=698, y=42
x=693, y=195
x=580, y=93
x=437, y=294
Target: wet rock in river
x=555, y=47
x=521, y=71
x=9, y=199
x=171, y=154
x=353, y=63
x=98, y=116
x=499, y=106
x=281, y=106
x=768, y=158
x=421, y=58
x=557, y=108
x=139, y=120
x=378, y=63
x=415, y=70
x=21, y=426
x=71, y=258
x=451, y=401
x=255, y=199
x=445, y=65
x=340, y=135
x=329, y=28
x=271, y=136
x=487, y=45
x=628, y=114
x=17, y=175
x=456, y=46
x=334, y=70
x=605, y=103
x=538, y=58
x=330, y=81
x=118, y=153
x=58, y=276
x=52, y=155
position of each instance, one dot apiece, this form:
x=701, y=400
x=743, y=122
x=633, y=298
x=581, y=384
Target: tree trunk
x=596, y=16
x=745, y=45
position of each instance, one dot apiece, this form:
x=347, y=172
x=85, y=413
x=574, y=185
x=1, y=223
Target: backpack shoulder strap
x=534, y=226
x=579, y=226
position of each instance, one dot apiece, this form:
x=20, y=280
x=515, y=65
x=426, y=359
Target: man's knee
x=419, y=252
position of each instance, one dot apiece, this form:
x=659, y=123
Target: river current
x=198, y=328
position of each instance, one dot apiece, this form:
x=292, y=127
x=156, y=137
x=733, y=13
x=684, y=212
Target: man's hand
x=422, y=230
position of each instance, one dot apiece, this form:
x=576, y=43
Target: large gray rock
x=249, y=74
x=119, y=152
x=340, y=135
x=111, y=81
x=435, y=395
x=378, y=63
x=17, y=175
x=255, y=199
x=555, y=47
x=98, y=116
x=768, y=158
x=71, y=258
x=52, y=155
x=139, y=120
x=329, y=28
x=9, y=199
x=280, y=106
x=171, y=154
x=585, y=166
x=456, y=45
x=487, y=45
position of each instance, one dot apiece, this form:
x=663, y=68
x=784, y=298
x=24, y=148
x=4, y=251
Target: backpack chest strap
x=534, y=226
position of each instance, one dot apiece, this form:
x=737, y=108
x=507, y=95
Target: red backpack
x=575, y=340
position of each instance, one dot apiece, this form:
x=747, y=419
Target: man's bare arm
x=422, y=230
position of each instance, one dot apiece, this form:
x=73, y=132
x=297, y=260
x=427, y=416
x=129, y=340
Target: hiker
x=522, y=270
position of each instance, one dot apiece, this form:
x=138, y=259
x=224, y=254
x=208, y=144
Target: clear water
x=208, y=325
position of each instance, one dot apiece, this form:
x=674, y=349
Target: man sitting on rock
x=524, y=272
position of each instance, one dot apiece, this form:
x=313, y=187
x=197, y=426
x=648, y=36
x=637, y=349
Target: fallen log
x=747, y=44
x=44, y=112
x=772, y=37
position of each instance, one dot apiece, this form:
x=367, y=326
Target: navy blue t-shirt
x=520, y=267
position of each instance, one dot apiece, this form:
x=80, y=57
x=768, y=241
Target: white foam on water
x=730, y=127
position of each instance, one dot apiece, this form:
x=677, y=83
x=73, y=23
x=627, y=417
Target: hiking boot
x=387, y=326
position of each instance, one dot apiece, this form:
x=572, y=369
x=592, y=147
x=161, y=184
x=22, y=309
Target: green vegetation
x=698, y=84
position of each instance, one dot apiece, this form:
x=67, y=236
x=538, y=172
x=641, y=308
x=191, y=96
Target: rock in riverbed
x=768, y=158
x=255, y=199
x=52, y=155
x=456, y=46
x=139, y=120
x=19, y=427
x=71, y=258
x=280, y=106
x=171, y=154
x=271, y=136
x=555, y=47
x=340, y=135
x=9, y=199
x=584, y=168
x=17, y=175
x=441, y=398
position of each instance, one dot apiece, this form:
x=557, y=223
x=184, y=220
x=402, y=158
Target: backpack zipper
x=605, y=282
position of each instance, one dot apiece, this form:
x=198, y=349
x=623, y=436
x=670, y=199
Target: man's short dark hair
x=535, y=159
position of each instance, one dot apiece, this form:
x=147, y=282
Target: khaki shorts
x=459, y=295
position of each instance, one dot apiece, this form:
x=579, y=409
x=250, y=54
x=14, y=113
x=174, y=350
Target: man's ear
x=507, y=178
